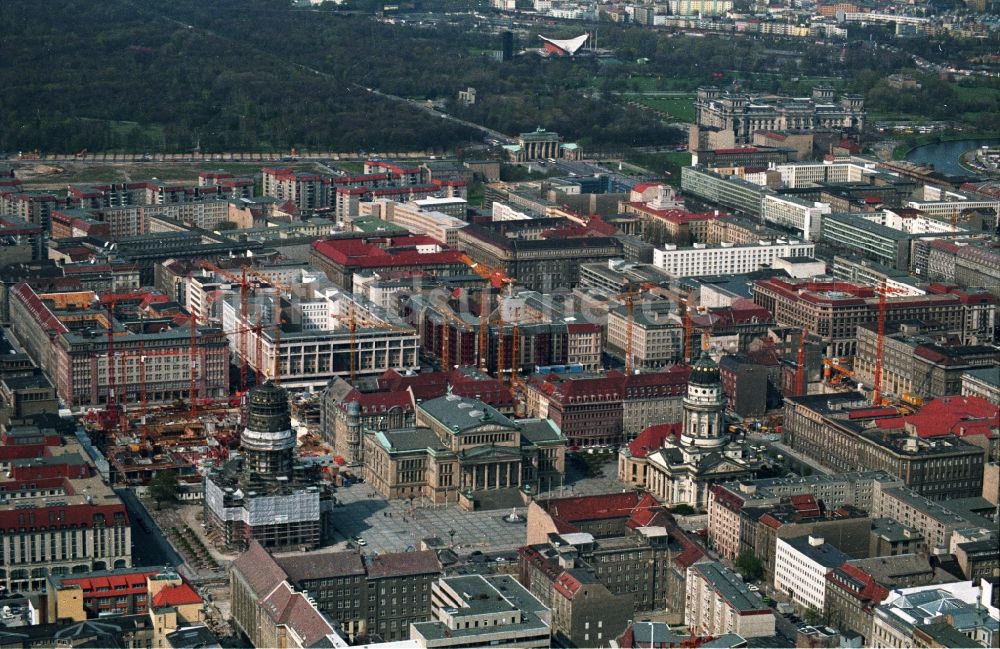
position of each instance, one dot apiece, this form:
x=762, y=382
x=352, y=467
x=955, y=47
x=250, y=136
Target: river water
x=945, y=156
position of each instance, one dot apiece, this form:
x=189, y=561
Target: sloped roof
x=259, y=569
x=652, y=438
x=176, y=596
x=953, y=415
x=404, y=563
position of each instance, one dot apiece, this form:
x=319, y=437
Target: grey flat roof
x=459, y=414
x=729, y=585
x=825, y=554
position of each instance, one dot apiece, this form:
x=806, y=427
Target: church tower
x=268, y=441
x=703, y=407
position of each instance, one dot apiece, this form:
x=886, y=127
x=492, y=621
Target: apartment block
x=718, y=602
x=800, y=568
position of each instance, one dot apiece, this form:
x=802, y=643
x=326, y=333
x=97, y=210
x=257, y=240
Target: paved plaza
x=395, y=526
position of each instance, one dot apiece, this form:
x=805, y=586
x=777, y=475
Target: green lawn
x=680, y=108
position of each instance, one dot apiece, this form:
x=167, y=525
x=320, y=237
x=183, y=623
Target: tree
x=812, y=616
x=749, y=566
x=682, y=510
x=163, y=487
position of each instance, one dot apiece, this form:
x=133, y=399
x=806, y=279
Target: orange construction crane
x=800, y=364
x=629, y=327
x=688, y=324
x=883, y=293
x=113, y=415
x=244, y=285
x=629, y=297
x=277, y=352
x=193, y=378
x=352, y=327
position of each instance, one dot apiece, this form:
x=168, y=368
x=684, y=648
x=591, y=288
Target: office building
x=802, y=216
x=726, y=259
x=730, y=534
x=918, y=363
x=656, y=331
x=340, y=259
x=982, y=382
x=800, y=568
x=65, y=333
x=845, y=434
x=833, y=310
x=624, y=539
x=269, y=612
x=323, y=343
x=729, y=192
x=540, y=258
x=605, y=407
x=59, y=516
x=376, y=596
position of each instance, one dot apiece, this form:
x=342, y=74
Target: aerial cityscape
x=632, y=324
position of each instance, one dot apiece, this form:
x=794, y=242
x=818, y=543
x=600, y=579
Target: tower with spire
x=704, y=453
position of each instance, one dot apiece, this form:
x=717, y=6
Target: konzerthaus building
x=462, y=445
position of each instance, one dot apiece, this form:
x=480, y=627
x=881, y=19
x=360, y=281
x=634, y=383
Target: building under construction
x=264, y=494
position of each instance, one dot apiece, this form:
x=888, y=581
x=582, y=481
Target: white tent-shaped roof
x=570, y=46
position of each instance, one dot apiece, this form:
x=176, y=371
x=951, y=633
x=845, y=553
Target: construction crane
x=352, y=328
x=629, y=328
x=800, y=364
x=499, y=280
x=883, y=292
x=688, y=325
x=629, y=298
x=831, y=365
x=113, y=416
x=193, y=375
x=244, y=285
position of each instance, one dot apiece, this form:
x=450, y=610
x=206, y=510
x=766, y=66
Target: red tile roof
x=60, y=516
x=402, y=251
x=176, y=596
x=871, y=591
x=676, y=216
x=567, y=585
x=652, y=438
x=955, y=415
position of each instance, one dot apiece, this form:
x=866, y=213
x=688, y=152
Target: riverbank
x=903, y=150
x=949, y=156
